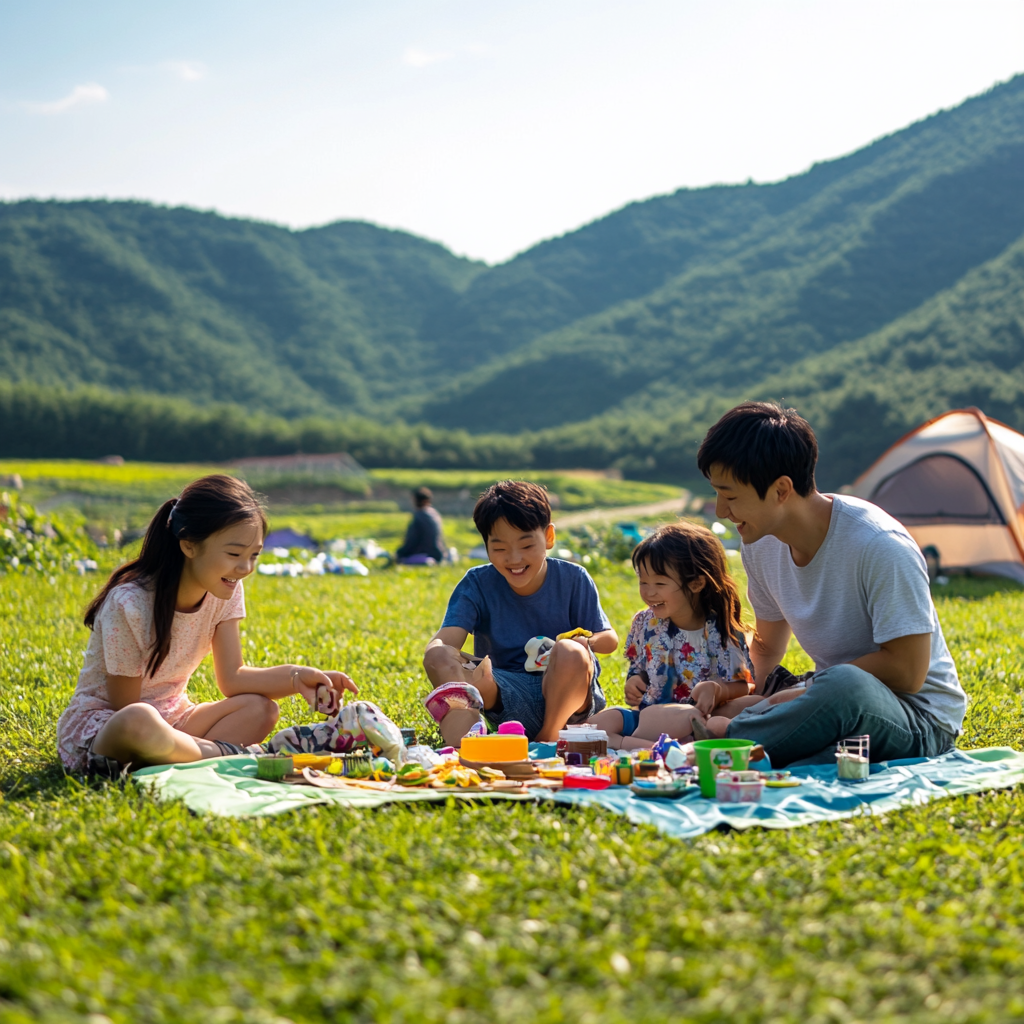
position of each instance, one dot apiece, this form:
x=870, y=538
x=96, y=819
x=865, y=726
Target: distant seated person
x=424, y=539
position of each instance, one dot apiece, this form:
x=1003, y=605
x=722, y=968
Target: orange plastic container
x=494, y=748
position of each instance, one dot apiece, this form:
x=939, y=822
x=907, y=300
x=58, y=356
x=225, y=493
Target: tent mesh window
x=937, y=489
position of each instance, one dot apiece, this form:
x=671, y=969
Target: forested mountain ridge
x=132, y=296
x=615, y=343
x=808, y=263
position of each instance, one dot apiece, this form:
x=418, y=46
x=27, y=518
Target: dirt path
x=625, y=512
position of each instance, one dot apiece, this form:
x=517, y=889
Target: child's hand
x=635, y=689
x=308, y=681
x=705, y=696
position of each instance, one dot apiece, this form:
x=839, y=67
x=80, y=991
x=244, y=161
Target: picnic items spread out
x=359, y=747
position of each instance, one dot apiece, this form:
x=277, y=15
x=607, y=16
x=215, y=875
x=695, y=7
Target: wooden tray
x=512, y=769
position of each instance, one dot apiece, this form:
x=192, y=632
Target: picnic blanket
x=228, y=786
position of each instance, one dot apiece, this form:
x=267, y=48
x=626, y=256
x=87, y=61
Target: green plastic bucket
x=714, y=756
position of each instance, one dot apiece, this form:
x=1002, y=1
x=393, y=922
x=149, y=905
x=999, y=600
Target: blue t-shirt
x=501, y=620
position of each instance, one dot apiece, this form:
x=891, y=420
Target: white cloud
x=91, y=92
x=186, y=70
x=417, y=58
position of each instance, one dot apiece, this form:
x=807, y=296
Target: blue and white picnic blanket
x=228, y=786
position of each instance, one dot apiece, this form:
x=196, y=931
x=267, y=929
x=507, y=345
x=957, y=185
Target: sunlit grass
x=113, y=904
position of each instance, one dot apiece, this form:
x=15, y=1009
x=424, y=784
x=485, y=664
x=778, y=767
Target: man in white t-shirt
x=849, y=582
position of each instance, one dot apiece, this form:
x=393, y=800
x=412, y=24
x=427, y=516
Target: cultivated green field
x=115, y=907
x=124, y=497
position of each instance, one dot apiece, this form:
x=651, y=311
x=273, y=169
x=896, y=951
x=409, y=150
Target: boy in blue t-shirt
x=522, y=594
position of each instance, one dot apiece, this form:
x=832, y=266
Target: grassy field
x=113, y=907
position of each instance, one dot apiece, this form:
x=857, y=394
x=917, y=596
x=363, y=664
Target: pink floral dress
x=121, y=641
x=672, y=660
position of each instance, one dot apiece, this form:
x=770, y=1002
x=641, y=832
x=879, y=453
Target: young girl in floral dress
x=152, y=624
x=686, y=650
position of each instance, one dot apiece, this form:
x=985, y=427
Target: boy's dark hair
x=422, y=496
x=757, y=442
x=205, y=506
x=687, y=552
x=523, y=505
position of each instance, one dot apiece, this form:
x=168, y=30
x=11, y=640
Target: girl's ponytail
x=204, y=507
x=690, y=552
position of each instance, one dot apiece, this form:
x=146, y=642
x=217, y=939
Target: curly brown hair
x=688, y=552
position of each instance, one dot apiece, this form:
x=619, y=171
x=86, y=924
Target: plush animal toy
x=539, y=648
x=356, y=723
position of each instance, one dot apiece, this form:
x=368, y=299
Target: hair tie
x=175, y=528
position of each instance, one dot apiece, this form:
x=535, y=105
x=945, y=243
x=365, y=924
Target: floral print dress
x=672, y=660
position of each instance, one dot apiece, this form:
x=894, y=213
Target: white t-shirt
x=866, y=584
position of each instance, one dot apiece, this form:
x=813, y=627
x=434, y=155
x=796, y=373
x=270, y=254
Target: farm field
x=123, y=498
x=114, y=907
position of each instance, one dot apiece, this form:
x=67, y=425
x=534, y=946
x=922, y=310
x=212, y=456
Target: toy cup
x=714, y=756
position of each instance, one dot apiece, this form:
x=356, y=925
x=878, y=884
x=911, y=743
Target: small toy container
x=739, y=787
x=586, y=781
x=622, y=772
x=715, y=755
x=647, y=768
x=664, y=789
x=853, y=758
x=274, y=767
x=500, y=747
x=581, y=739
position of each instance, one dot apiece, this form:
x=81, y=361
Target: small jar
x=582, y=740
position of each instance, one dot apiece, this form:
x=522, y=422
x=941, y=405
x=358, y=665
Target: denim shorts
x=521, y=699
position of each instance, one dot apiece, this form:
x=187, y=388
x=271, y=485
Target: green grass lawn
x=115, y=907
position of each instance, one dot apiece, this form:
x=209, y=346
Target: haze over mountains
x=871, y=291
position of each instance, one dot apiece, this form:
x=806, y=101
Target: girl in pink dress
x=152, y=624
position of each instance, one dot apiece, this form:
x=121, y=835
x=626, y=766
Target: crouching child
x=521, y=594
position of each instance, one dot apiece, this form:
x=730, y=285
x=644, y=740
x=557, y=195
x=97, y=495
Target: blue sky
x=485, y=125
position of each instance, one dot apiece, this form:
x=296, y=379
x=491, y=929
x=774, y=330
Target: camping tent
x=957, y=484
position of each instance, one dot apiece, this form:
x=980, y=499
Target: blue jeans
x=842, y=701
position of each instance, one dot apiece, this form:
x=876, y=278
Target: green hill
x=757, y=276
x=872, y=291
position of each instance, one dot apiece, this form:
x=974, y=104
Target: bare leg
x=244, y=718
x=717, y=726
x=138, y=735
x=566, y=687
x=731, y=708
x=674, y=719
x=444, y=664
x=611, y=722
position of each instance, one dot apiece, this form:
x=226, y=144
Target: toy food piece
x=413, y=774
x=274, y=767
x=326, y=700
x=582, y=740
x=586, y=782
x=573, y=633
x=320, y=762
x=502, y=747
x=739, y=787
x=647, y=768
x=622, y=772
x=779, y=780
